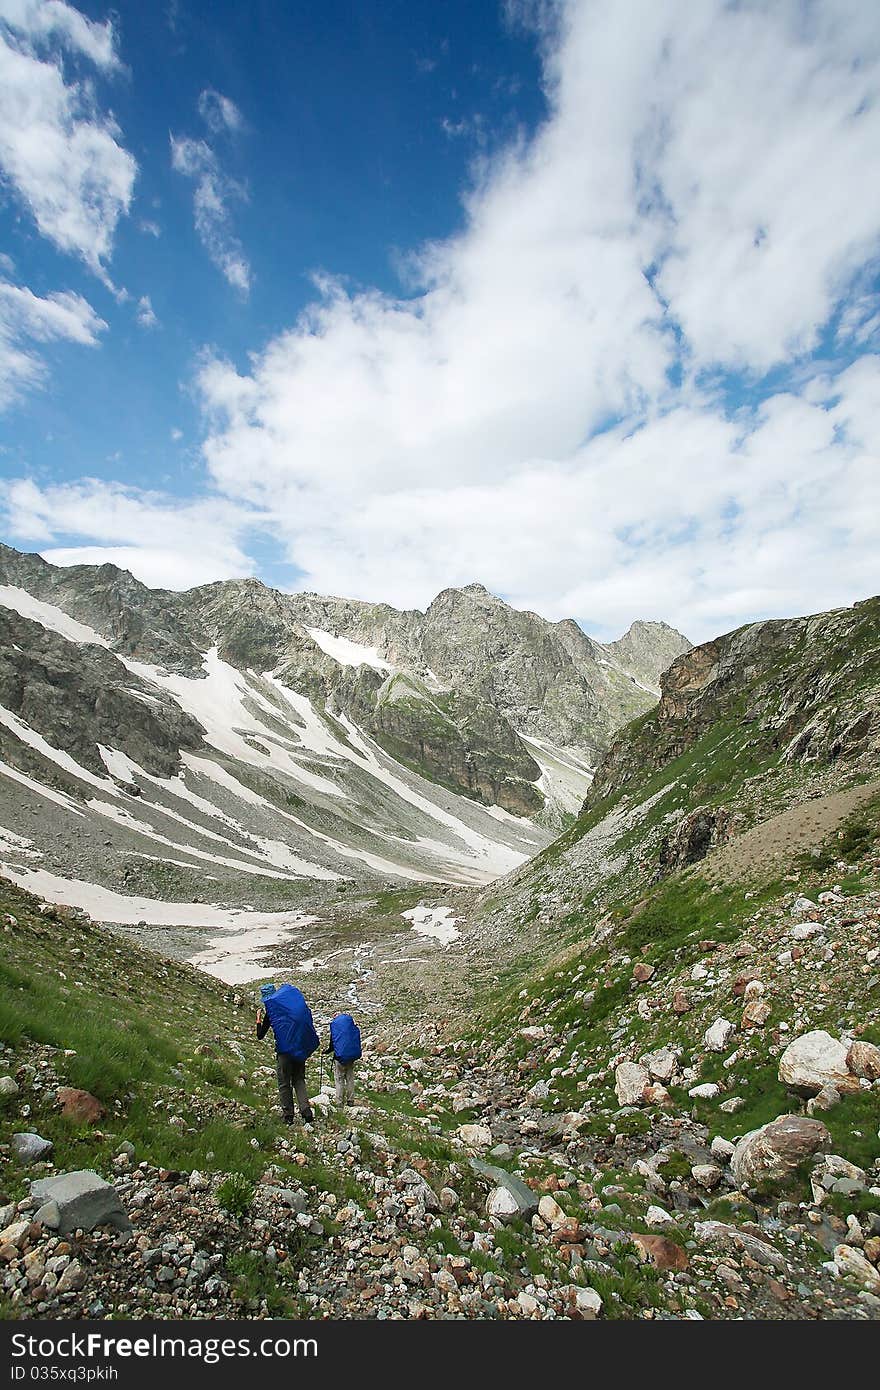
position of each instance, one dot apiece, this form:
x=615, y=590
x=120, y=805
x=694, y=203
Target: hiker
x=290, y=1018
x=345, y=1044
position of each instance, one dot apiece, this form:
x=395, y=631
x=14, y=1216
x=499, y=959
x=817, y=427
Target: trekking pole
x=320, y=1070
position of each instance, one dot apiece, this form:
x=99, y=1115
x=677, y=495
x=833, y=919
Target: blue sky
x=577, y=299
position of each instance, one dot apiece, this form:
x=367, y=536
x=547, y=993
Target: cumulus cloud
x=149, y=533
x=219, y=113
x=570, y=401
x=58, y=151
x=25, y=319
x=539, y=414
x=213, y=193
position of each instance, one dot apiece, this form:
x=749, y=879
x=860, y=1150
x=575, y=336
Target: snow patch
x=48, y=792
x=346, y=652
x=436, y=922
x=49, y=617
x=104, y=905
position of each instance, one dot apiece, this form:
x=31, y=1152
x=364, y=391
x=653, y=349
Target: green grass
x=235, y=1194
x=257, y=1282
x=110, y=1052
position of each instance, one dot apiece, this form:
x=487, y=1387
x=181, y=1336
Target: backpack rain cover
x=346, y=1038
x=292, y=1023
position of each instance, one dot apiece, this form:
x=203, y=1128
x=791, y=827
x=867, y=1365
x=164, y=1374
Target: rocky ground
x=581, y=1150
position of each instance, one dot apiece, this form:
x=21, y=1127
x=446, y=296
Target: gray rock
x=768, y=1157
x=29, y=1148
x=8, y=1087
x=83, y=1199
x=526, y=1200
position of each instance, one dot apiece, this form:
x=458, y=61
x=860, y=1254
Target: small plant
x=235, y=1194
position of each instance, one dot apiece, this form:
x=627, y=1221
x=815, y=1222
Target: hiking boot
x=308, y=1117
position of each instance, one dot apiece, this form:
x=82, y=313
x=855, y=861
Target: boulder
x=503, y=1205
x=852, y=1264
x=662, y=1252
x=662, y=1064
x=29, y=1148
x=79, y=1199
x=718, y=1035
x=815, y=1060
x=581, y=1302
x=475, y=1136
x=708, y=1175
x=526, y=1200
x=80, y=1106
x=768, y=1157
x=863, y=1059
x=719, y=1233
x=630, y=1080
x=550, y=1211
x=8, y=1087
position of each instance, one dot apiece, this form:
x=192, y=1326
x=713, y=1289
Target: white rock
x=718, y=1035
x=815, y=1060
x=707, y=1090
x=802, y=904
x=708, y=1175
x=630, y=1080
x=662, y=1064
x=550, y=1211
x=699, y=971
x=502, y=1204
x=853, y=1265
x=722, y=1148
x=656, y=1216
x=475, y=1136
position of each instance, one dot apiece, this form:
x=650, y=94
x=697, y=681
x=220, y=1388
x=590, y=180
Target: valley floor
x=508, y=1045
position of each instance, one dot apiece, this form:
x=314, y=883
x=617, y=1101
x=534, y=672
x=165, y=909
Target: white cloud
x=146, y=315
x=213, y=192
x=403, y=444
x=61, y=155
x=26, y=318
x=218, y=112
x=43, y=20
x=163, y=542
x=544, y=412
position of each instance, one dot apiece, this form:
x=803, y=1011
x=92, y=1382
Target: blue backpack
x=346, y=1038
x=292, y=1023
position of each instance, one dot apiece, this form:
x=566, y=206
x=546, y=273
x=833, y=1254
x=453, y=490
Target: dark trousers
x=292, y=1077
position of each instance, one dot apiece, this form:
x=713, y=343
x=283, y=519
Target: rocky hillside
x=149, y=738
x=641, y=1079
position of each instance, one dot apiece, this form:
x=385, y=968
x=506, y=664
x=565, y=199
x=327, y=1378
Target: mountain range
x=151, y=740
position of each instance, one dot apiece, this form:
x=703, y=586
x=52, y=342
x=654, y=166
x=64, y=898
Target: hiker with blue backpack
x=290, y=1018
x=345, y=1045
